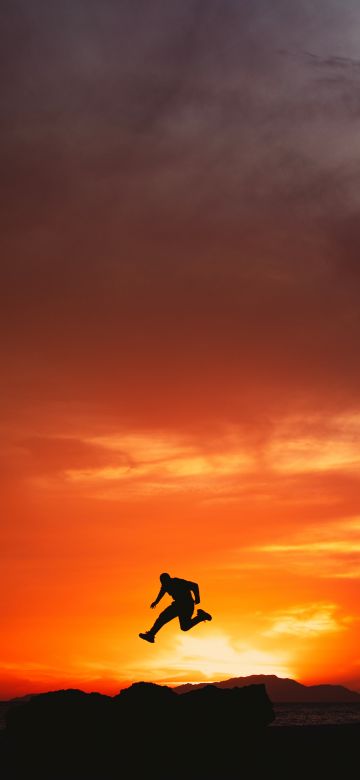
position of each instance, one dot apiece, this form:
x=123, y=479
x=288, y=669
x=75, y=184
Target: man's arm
x=195, y=589
x=161, y=593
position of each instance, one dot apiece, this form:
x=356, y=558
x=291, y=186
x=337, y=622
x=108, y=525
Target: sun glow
x=218, y=657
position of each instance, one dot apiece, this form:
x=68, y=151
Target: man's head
x=165, y=578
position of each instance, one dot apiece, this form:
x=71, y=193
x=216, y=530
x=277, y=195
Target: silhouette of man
x=185, y=595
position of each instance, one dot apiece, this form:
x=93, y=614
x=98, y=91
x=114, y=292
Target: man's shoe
x=148, y=636
x=204, y=615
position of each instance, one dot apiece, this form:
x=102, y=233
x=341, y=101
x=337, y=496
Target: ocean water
x=315, y=714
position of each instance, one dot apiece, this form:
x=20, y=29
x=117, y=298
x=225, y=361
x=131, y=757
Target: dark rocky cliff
x=147, y=728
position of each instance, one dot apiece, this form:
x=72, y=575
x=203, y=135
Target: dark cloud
x=178, y=201
x=55, y=454
x=346, y=242
x=336, y=63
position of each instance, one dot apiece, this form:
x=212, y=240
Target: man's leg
x=168, y=614
x=187, y=622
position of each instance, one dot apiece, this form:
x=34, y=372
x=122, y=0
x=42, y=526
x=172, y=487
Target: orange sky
x=180, y=330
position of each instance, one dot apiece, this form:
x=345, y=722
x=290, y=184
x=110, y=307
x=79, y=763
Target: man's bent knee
x=185, y=626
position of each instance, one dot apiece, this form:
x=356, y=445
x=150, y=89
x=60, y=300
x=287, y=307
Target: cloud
x=315, y=444
x=306, y=621
x=161, y=463
x=303, y=463
x=313, y=455
x=333, y=62
x=329, y=552
x=292, y=447
x=51, y=454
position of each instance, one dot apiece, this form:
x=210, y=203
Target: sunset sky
x=180, y=339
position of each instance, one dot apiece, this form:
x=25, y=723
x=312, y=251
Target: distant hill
x=284, y=690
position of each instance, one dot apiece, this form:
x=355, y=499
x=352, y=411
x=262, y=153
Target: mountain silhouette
x=6, y=705
x=284, y=690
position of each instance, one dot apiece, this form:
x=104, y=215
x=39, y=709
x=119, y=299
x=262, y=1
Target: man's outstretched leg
x=168, y=614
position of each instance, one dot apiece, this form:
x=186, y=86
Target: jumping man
x=185, y=595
